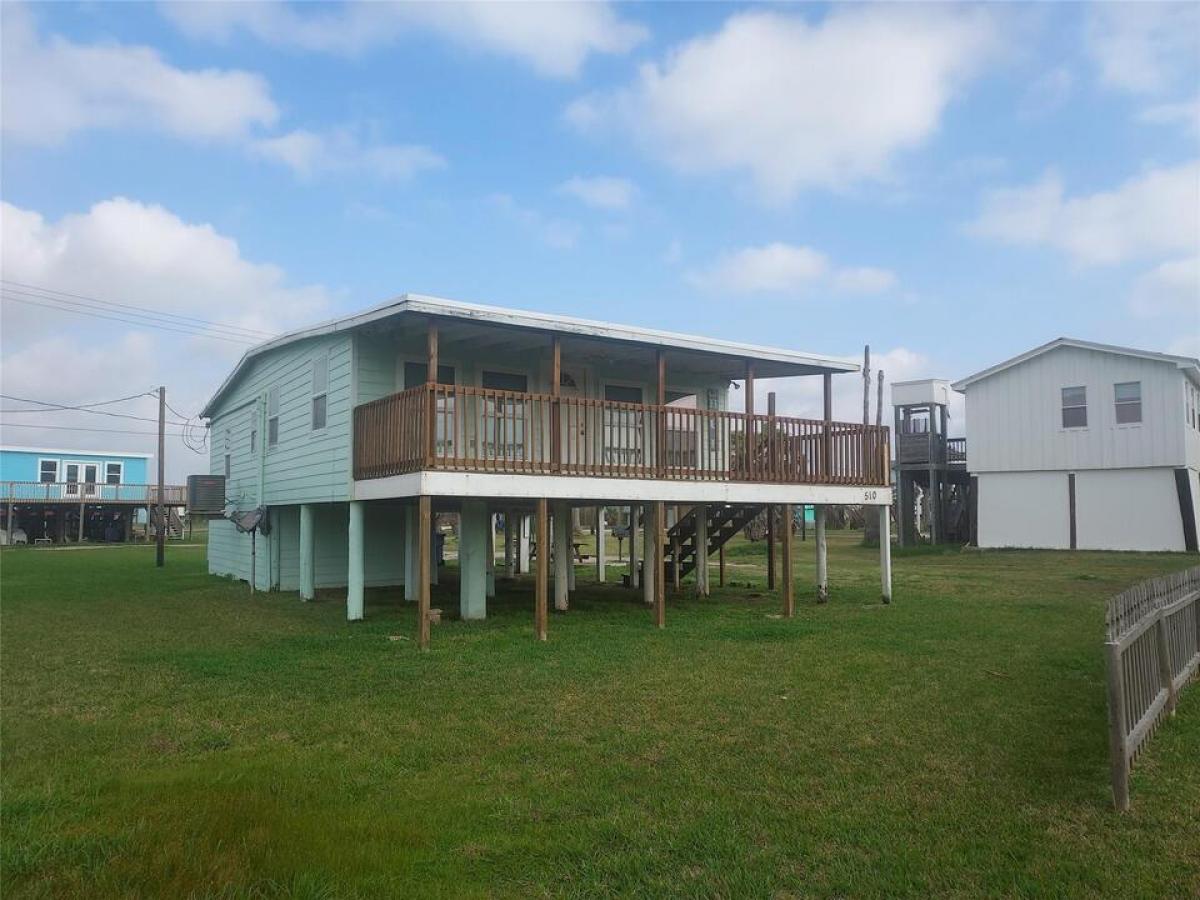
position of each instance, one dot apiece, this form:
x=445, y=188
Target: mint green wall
x=278, y=562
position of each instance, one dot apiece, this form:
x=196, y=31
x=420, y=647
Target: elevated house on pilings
x=933, y=488
x=354, y=434
x=55, y=496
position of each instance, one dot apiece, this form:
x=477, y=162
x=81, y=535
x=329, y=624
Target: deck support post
x=771, y=547
x=490, y=558
x=424, y=563
x=412, y=550
x=822, y=555
x=635, y=575
x=509, y=554
x=82, y=515
x=702, y=586
x=8, y=522
x=354, y=578
x=308, y=581
x=651, y=555
x=562, y=556
x=660, y=588
x=885, y=553
x=601, y=550
x=524, y=525
x=721, y=566
x=789, y=588
x=540, y=590
x=472, y=560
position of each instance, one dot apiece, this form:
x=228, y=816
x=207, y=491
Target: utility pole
x=160, y=532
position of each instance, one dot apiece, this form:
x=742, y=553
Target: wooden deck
x=469, y=429
x=74, y=493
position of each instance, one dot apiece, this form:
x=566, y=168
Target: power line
x=246, y=332
x=60, y=407
x=7, y=294
x=178, y=434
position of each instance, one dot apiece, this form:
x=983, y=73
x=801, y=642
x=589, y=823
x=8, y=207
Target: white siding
x=1024, y=509
x=1128, y=509
x=1014, y=418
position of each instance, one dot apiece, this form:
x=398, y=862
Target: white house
x=1088, y=446
x=349, y=435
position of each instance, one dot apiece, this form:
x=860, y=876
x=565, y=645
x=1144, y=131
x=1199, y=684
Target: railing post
x=555, y=406
x=826, y=437
x=751, y=449
x=1165, y=669
x=660, y=414
x=1117, y=731
x=431, y=381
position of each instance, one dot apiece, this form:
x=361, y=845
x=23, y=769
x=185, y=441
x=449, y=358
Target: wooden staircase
x=174, y=523
x=724, y=521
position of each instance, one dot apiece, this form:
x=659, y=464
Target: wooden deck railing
x=481, y=430
x=89, y=492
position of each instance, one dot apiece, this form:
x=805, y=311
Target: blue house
x=54, y=495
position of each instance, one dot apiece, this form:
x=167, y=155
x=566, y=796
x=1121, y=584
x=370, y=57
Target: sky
x=952, y=185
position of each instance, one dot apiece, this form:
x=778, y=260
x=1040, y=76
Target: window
x=624, y=427
x=1074, y=407
x=504, y=381
x=48, y=471
x=114, y=472
x=320, y=386
x=414, y=374
x=504, y=417
x=253, y=437
x=1128, y=396
x=273, y=416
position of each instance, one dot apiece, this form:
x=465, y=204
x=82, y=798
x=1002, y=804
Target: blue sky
x=952, y=184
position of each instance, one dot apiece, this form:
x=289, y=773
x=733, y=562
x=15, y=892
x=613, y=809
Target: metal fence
x=1153, y=650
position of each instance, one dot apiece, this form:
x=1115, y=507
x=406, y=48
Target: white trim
x=1187, y=363
x=611, y=490
x=75, y=452
x=546, y=322
x=113, y=462
x=57, y=468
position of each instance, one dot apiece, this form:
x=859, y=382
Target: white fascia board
x=611, y=490
x=437, y=306
x=1187, y=363
x=77, y=452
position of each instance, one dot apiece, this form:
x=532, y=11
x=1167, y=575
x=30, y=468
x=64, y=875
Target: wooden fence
x=1153, y=650
x=470, y=429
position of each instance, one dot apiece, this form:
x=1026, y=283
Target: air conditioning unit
x=206, y=496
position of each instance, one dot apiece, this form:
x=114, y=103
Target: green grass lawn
x=167, y=734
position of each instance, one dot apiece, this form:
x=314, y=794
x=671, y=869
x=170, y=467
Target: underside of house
x=352, y=436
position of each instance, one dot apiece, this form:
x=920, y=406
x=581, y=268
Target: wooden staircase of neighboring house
x=724, y=521
x=174, y=523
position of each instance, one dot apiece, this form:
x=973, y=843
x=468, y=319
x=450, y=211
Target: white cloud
x=864, y=280
x=1144, y=48
x=1170, y=287
x=780, y=268
x=803, y=397
x=54, y=88
x=1151, y=215
x=128, y=252
x=601, y=191
x=1185, y=113
x=796, y=105
x=309, y=153
x=554, y=39
x=556, y=233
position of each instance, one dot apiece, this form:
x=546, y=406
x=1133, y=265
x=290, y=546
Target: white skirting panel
x=611, y=490
x=1128, y=509
x=1024, y=509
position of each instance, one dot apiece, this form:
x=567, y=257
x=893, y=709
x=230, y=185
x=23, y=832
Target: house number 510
x=868, y=496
